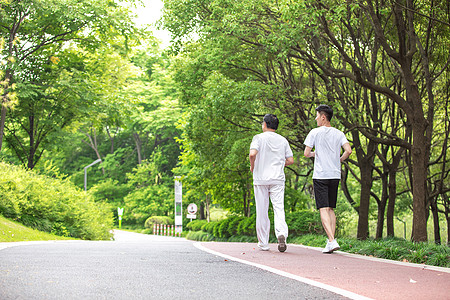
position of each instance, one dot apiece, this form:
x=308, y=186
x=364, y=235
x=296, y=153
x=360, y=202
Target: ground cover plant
x=11, y=231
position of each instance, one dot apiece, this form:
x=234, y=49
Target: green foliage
x=303, y=222
x=161, y=220
x=196, y=225
x=247, y=226
x=209, y=227
x=52, y=205
x=12, y=231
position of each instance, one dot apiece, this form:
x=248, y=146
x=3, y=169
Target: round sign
x=192, y=208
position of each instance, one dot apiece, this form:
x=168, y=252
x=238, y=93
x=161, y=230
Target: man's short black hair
x=326, y=110
x=271, y=121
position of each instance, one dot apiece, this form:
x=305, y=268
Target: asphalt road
x=137, y=267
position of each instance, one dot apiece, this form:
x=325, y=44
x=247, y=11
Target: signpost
x=178, y=206
x=192, y=210
x=85, y=171
x=120, y=213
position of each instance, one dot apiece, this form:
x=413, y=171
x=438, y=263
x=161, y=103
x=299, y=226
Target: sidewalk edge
x=377, y=259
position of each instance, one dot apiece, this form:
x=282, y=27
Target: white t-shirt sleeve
x=343, y=139
x=255, y=143
x=288, y=152
x=309, y=141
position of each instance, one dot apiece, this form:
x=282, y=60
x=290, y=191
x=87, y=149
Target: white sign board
x=192, y=208
x=178, y=202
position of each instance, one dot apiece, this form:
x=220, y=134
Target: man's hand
x=289, y=161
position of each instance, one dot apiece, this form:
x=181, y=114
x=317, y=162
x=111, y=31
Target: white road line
x=327, y=287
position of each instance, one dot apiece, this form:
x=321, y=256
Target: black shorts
x=325, y=192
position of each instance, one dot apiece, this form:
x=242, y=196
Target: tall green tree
x=36, y=34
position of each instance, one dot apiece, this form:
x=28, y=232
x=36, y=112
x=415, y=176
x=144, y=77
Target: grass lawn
x=11, y=231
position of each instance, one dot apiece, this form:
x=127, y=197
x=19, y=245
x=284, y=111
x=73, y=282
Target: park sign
x=192, y=210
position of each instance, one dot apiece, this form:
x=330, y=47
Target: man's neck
x=269, y=130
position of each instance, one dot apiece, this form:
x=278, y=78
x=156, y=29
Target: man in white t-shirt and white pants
x=269, y=153
x=327, y=142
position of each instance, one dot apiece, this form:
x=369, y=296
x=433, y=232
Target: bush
x=233, y=225
x=161, y=220
x=52, y=205
x=196, y=225
x=304, y=222
x=215, y=229
x=247, y=226
x=209, y=227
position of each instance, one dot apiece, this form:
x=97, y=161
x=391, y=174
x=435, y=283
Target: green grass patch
x=11, y=231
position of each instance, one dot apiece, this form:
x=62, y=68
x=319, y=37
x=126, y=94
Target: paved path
x=137, y=266
x=354, y=276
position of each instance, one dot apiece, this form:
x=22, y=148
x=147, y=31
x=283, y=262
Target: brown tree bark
x=93, y=144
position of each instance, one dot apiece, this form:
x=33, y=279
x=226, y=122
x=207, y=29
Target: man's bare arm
x=308, y=152
x=252, y=157
x=347, y=151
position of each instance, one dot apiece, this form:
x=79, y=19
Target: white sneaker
x=331, y=246
x=264, y=247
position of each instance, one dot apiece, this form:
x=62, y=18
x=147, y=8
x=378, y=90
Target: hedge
x=52, y=205
x=299, y=222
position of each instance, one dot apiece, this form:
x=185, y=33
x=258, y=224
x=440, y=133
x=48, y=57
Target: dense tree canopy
x=87, y=85
x=383, y=66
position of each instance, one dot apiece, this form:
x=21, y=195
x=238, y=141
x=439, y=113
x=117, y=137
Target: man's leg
x=276, y=193
x=262, y=215
x=325, y=192
x=328, y=218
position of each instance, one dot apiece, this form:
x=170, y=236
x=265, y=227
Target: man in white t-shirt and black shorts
x=327, y=142
x=269, y=153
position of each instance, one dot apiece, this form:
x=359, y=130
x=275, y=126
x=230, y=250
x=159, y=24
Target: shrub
x=196, y=225
x=215, y=229
x=223, y=231
x=247, y=226
x=209, y=227
x=161, y=220
x=304, y=222
x=52, y=205
x=233, y=225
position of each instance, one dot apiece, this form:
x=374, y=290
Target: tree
x=360, y=56
x=37, y=32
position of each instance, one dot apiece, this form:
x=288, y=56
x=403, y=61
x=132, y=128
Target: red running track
x=360, y=275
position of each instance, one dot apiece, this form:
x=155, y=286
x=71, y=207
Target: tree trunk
x=392, y=184
x=364, y=204
x=93, y=144
x=436, y=227
x=202, y=211
x=420, y=157
x=31, y=150
x=207, y=206
x=2, y=123
x=391, y=203
x=382, y=207
x=138, y=142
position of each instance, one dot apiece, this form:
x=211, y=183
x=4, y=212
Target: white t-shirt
x=327, y=142
x=273, y=149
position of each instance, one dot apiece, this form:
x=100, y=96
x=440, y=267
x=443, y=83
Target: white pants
x=276, y=195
